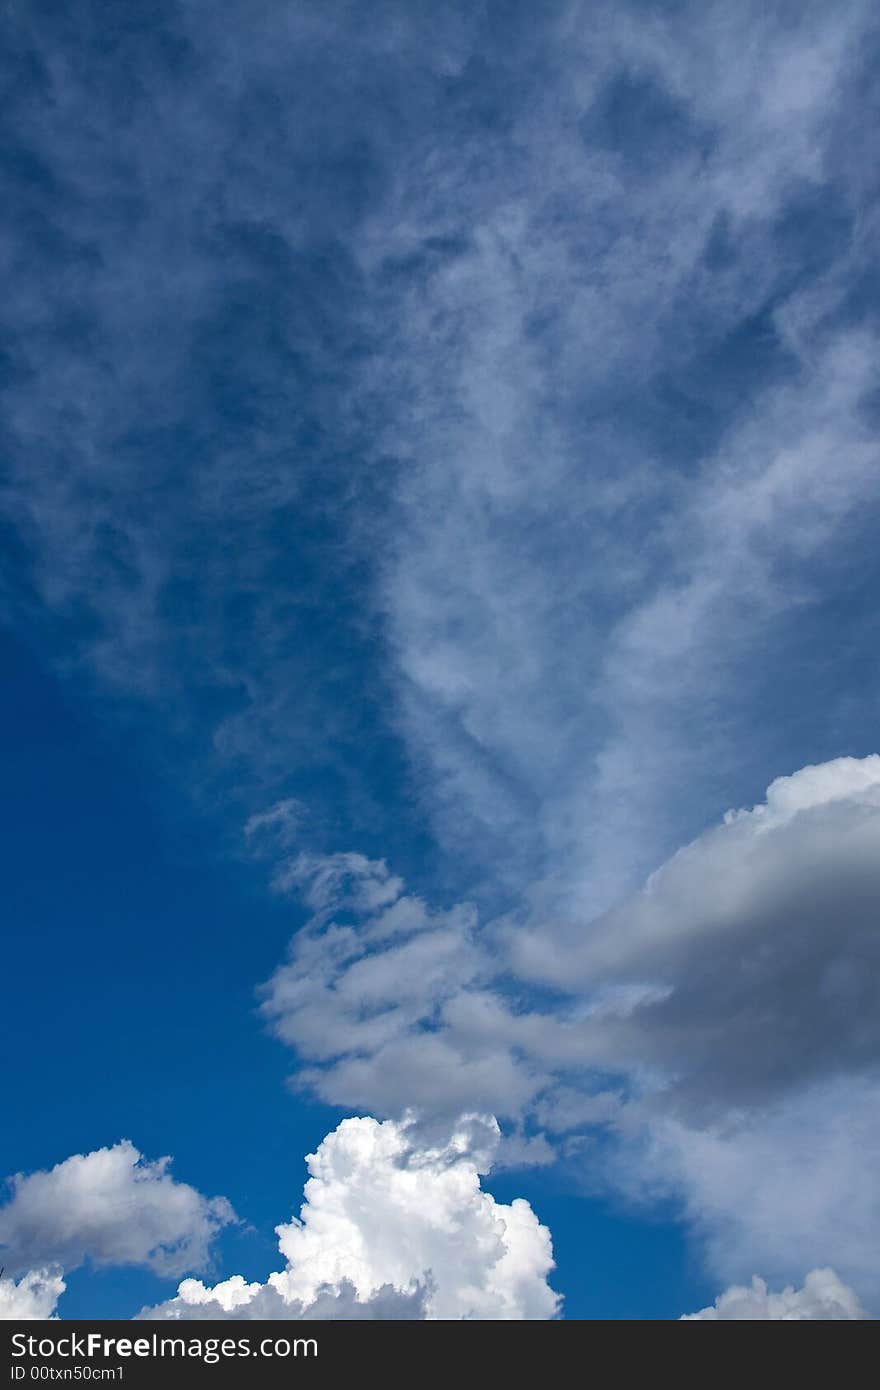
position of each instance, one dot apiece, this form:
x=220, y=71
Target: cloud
x=362, y=995
x=760, y=942
x=822, y=1298
x=109, y=1207
x=391, y=1228
x=33, y=1297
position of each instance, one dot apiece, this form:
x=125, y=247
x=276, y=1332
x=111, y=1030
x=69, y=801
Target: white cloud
x=822, y=1298
x=390, y=1228
x=111, y=1207
x=33, y=1297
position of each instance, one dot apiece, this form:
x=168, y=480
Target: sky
x=439, y=647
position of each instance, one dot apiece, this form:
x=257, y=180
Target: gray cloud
x=759, y=940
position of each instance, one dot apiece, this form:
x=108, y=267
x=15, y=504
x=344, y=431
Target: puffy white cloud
x=112, y=1207
x=33, y=1297
x=392, y=1227
x=822, y=1298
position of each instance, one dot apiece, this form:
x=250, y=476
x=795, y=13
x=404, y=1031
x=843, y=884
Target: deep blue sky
x=449, y=434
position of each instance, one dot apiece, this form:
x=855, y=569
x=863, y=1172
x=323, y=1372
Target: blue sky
x=439, y=500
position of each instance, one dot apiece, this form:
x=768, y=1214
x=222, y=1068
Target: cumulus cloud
x=392, y=1228
x=110, y=1207
x=33, y=1297
x=822, y=1298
